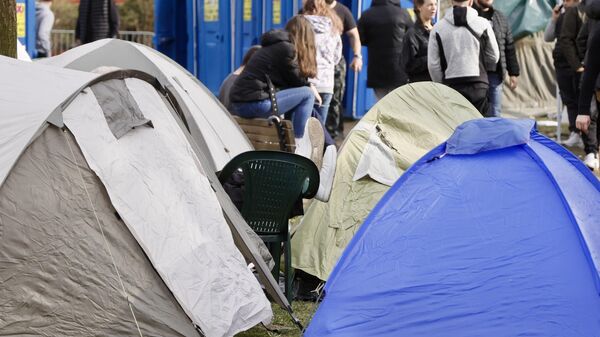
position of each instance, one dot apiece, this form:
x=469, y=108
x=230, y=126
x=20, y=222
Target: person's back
x=461, y=47
x=98, y=19
x=382, y=28
x=275, y=59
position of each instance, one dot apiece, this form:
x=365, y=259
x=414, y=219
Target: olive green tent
x=397, y=131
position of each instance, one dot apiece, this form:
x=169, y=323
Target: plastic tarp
x=526, y=16
x=33, y=104
x=211, y=125
x=536, y=91
x=501, y=242
x=398, y=130
x=155, y=183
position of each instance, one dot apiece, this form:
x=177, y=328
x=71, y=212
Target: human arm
x=589, y=80
x=550, y=32
x=114, y=20
x=412, y=62
x=354, y=38
x=512, y=63
x=433, y=59
x=44, y=34
x=491, y=53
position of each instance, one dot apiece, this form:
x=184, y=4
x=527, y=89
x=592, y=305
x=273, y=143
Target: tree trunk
x=8, y=28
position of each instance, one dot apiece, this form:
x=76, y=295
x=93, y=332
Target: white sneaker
x=574, y=140
x=591, y=161
x=327, y=174
x=311, y=144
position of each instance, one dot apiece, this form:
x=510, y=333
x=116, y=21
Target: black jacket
x=414, y=53
x=98, y=19
x=508, y=56
x=592, y=10
x=591, y=76
x=560, y=61
x=382, y=28
x=277, y=59
x=567, y=40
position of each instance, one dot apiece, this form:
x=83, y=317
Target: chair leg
x=288, y=273
x=275, y=248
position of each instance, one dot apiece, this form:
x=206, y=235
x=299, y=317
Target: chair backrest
x=264, y=134
x=274, y=181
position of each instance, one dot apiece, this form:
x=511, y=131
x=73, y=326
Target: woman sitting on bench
x=287, y=59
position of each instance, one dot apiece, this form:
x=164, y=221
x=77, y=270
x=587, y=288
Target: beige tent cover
x=536, y=93
x=403, y=126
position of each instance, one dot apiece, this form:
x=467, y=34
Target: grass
x=282, y=325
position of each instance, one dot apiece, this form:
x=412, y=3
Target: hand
x=556, y=12
x=513, y=82
x=318, y=98
x=583, y=123
x=356, y=64
x=580, y=70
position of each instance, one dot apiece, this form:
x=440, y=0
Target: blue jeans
x=495, y=95
x=323, y=109
x=296, y=104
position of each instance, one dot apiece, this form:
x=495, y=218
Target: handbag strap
x=275, y=119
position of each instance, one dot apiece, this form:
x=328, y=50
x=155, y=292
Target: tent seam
x=538, y=160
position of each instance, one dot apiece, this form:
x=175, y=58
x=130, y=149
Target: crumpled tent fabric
x=398, y=130
x=500, y=242
x=210, y=123
x=183, y=252
x=536, y=91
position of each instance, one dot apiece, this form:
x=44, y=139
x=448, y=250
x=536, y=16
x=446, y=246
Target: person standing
x=414, y=49
x=335, y=118
x=462, y=46
x=382, y=29
x=327, y=28
x=44, y=20
x=568, y=64
x=508, y=57
x=589, y=98
x=98, y=19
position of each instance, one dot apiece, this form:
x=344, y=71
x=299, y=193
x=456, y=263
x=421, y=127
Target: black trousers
x=568, y=84
x=335, y=116
x=590, y=139
x=476, y=93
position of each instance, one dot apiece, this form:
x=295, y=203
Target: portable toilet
x=248, y=27
x=278, y=12
x=173, y=27
x=26, y=32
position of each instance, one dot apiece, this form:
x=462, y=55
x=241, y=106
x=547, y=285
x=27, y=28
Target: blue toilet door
x=248, y=27
x=214, y=42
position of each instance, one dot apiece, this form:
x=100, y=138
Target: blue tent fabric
x=499, y=133
x=500, y=242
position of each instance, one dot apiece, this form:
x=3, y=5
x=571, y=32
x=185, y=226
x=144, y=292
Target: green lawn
x=282, y=325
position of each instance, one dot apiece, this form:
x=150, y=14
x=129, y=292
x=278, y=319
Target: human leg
x=296, y=104
x=494, y=95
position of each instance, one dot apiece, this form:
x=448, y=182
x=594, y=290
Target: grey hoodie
x=329, y=52
x=461, y=48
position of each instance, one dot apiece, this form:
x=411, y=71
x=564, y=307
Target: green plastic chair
x=273, y=183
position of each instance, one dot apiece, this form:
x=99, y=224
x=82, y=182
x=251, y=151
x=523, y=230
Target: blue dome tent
x=494, y=233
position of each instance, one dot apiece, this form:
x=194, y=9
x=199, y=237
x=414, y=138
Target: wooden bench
x=264, y=135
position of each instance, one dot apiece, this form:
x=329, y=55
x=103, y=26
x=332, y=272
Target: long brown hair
x=303, y=39
x=321, y=8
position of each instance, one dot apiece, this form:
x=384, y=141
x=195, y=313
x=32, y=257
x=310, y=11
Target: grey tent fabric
x=59, y=271
x=119, y=107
